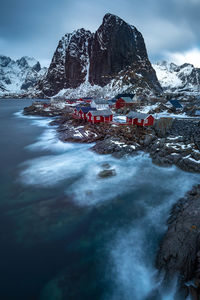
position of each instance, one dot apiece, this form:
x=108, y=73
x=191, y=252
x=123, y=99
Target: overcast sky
x=171, y=28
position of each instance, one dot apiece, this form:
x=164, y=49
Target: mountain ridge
x=174, y=78
x=19, y=76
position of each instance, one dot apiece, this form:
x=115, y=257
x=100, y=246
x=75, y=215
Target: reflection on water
x=69, y=234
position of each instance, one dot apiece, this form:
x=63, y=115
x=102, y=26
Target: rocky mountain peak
x=110, y=19
x=98, y=58
x=19, y=76
x=22, y=62
x=4, y=60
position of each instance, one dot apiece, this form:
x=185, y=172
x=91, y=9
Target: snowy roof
x=85, y=109
x=105, y=112
x=111, y=101
x=127, y=99
x=137, y=115
x=175, y=103
x=100, y=101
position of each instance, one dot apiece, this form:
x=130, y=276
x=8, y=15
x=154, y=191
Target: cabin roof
x=85, y=109
x=137, y=115
x=175, y=103
x=127, y=99
x=100, y=101
x=105, y=112
x=112, y=100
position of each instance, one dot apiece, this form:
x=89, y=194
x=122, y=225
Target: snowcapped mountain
x=20, y=76
x=113, y=59
x=178, y=79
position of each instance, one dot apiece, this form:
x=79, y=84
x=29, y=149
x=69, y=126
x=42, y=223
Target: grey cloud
x=34, y=27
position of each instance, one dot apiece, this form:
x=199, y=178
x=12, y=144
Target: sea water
x=65, y=233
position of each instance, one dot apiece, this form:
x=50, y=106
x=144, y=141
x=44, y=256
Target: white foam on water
x=81, y=168
x=35, y=120
x=20, y=115
x=131, y=264
x=48, y=141
x=50, y=170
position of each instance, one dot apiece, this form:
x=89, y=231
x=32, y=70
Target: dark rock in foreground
x=180, y=249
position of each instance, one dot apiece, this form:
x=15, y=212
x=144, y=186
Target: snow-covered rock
x=20, y=76
x=178, y=79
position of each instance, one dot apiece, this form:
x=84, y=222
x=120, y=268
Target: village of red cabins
x=99, y=111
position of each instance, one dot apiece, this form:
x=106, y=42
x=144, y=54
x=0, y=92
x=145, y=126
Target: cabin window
x=97, y=118
x=146, y=121
x=139, y=120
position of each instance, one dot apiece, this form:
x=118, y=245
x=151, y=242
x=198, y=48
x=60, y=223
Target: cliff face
x=69, y=66
x=116, y=46
x=115, y=51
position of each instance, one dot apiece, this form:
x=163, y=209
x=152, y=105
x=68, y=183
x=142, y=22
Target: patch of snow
x=192, y=159
x=148, y=108
x=95, y=91
x=165, y=114
x=175, y=137
x=119, y=119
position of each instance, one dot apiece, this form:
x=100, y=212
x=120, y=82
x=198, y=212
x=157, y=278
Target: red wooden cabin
x=81, y=112
x=100, y=116
x=45, y=105
x=139, y=119
x=124, y=102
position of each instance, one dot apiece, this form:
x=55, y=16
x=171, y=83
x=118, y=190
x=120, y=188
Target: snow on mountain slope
x=116, y=86
x=20, y=76
x=174, y=78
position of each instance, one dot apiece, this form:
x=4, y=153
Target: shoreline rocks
x=179, y=251
x=178, y=143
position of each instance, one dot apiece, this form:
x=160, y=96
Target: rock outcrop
x=116, y=52
x=180, y=249
x=69, y=66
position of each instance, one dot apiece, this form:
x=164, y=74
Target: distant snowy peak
x=20, y=76
x=116, y=51
x=26, y=61
x=174, y=78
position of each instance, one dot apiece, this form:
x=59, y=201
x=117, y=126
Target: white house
x=100, y=104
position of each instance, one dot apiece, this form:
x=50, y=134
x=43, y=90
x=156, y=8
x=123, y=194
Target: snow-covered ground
x=165, y=114
x=146, y=109
x=119, y=119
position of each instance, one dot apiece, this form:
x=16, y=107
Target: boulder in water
x=107, y=173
